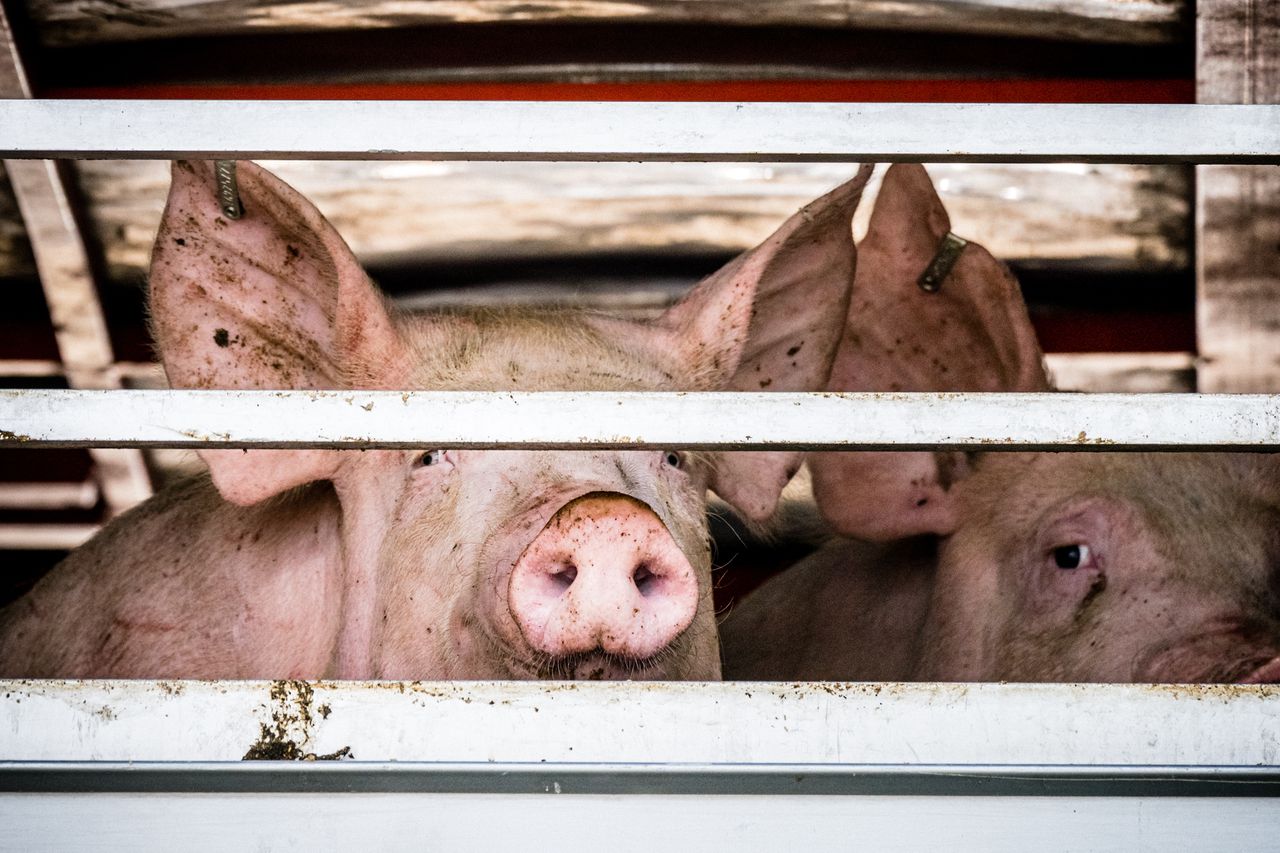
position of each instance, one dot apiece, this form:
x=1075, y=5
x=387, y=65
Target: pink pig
x=433, y=563
x=1104, y=567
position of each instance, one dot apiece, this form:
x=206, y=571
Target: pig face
x=493, y=564
x=1109, y=568
x=1103, y=567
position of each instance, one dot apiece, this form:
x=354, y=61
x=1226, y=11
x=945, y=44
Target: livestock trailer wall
x=478, y=765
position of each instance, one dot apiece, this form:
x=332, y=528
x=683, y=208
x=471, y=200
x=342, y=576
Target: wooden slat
x=1129, y=372
x=1119, y=217
x=45, y=537
x=64, y=22
x=48, y=495
x=67, y=276
x=1238, y=207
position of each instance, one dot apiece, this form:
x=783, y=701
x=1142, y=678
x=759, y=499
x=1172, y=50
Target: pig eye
x=1071, y=556
x=674, y=459
x=431, y=457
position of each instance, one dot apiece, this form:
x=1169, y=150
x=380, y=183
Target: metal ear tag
x=228, y=190
x=940, y=267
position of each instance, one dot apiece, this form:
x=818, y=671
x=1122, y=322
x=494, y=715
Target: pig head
x=1109, y=567
x=434, y=562
x=1103, y=567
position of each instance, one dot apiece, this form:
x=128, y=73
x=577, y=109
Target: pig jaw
x=1222, y=651
x=1268, y=673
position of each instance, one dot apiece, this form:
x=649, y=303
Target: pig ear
x=972, y=334
x=274, y=300
x=771, y=321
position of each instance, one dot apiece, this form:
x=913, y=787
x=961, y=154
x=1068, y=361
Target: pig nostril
x=644, y=579
x=565, y=577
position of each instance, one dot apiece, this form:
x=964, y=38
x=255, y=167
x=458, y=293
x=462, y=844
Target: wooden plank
x=1120, y=217
x=15, y=249
x=1129, y=372
x=49, y=495
x=45, y=537
x=1238, y=207
x=67, y=276
x=1237, y=51
x=65, y=22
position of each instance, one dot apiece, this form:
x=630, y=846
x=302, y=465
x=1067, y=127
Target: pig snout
x=604, y=573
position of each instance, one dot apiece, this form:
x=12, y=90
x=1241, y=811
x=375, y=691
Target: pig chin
x=1217, y=657
x=599, y=666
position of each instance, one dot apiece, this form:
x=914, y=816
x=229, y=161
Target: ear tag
x=940, y=267
x=228, y=189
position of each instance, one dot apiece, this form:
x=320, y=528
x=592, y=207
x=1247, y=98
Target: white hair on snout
x=497, y=349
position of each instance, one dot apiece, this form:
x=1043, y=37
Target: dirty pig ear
x=274, y=300
x=971, y=334
x=771, y=321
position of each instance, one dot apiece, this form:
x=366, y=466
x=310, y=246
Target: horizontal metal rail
x=550, y=420
x=526, y=130
x=472, y=765
x=490, y=777
x=125, y=763
x=668, y=725
x=642, y=822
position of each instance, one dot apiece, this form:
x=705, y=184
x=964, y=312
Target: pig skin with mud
x=431, y=563
x=998, y=566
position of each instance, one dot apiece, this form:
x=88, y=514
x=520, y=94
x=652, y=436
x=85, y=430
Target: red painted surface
x=1175, y=91
x=1079, y=330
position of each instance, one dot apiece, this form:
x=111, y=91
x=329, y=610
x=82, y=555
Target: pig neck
x=365, y=519
x=882, y=593
x=851, y=611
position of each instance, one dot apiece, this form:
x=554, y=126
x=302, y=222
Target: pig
x=1002, y=566
x=431, y=563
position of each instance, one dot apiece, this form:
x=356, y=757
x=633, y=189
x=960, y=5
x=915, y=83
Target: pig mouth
x=598, y=665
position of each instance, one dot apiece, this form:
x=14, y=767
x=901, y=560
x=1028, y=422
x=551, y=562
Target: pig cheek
x=682, y=496
x=685, y=516
x=969, y=606
x=420, y=580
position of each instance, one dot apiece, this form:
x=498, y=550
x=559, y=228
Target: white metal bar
x=479, y=823
x=525, y=130
x=473, y=765
x=207, y=419
x=686, y=724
